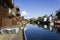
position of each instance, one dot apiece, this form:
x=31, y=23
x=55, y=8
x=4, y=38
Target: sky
x=36, y=8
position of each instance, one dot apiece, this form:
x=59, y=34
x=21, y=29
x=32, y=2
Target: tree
x=39, y=18
x=58, y=14
x=32, y=20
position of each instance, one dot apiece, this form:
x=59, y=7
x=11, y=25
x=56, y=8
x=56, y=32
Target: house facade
x=4, y=13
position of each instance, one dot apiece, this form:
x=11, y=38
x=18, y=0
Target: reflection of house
x=45, y=26
x=51, y=28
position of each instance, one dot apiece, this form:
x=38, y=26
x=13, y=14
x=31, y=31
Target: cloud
x=24, y=13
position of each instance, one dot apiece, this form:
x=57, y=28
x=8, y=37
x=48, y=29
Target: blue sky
x=35, y=8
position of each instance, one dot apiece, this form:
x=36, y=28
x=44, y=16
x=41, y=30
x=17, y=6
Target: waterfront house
x=51, y=19
x=5, y=5
x=9, y=16
x=57, y=21
x=45, y=18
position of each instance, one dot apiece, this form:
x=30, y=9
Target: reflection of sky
x=34, y=32
x=37, y=8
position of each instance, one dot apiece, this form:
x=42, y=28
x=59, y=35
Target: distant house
x=45, y=18
x=57, y=21
x=52, y=17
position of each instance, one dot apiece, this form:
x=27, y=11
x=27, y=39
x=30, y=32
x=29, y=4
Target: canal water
x=41, y=32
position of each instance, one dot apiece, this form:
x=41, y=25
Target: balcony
x=9, y=3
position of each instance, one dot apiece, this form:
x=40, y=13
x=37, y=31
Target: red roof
x=57, y=21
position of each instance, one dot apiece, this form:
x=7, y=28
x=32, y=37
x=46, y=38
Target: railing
x=10, y=29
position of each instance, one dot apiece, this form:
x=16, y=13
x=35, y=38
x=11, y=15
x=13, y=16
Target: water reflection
x=42, y=32
x=51, y=28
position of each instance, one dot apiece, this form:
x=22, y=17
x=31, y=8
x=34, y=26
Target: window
x=17, y=9
x=13, y=12
x=10, y=10
x=12, y=1
x=17, y=14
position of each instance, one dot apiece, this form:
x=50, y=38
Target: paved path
x=17, y=36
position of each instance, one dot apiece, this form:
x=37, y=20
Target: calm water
x=35, y=32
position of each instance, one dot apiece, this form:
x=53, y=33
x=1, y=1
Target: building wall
x=14, y=21
x=0, y=21
x=6, y=22
x=3, y=11
x=16, y=11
